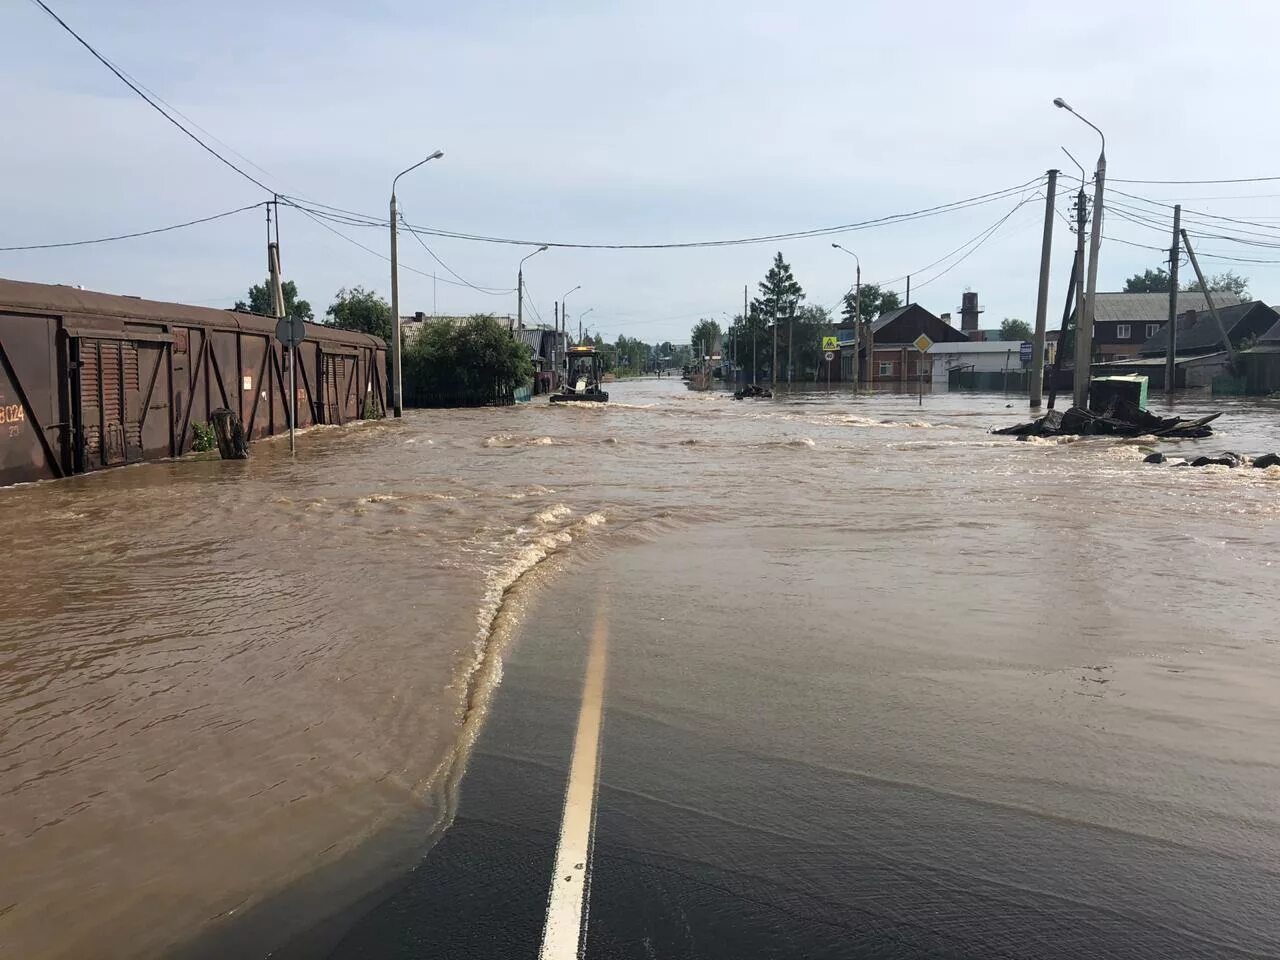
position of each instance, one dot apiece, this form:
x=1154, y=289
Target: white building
x=991, y=356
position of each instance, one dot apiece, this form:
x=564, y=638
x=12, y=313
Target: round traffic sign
x=291, y=331
x=829, y=355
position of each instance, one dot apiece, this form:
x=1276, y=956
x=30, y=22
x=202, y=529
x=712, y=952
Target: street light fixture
x=520, y=287
x=857, y=324
x=397, y=394
x=1085, y=313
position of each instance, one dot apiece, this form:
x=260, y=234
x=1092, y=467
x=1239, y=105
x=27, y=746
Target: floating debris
x=1120, y=420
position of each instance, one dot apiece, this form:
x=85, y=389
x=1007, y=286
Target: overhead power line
x=463, y=281
x=353, y=218
x=766, y=238
x=1195, y=182
x=130, y=236
x=154, y=105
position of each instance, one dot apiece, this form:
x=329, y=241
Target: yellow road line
x=566, y=903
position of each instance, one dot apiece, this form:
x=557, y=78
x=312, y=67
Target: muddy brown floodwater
x=216, y=679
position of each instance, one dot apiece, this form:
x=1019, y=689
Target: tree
x=812, y=323
x=1015, y=330
x=1149, y=281
x=780, y=293
x=260, y=301
x=1228, y=282
x=360, y=310
x=704, y=338
x=875, y=301
x=473, y=363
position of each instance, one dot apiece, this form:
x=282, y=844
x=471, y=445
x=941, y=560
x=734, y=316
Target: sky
x=629, y=122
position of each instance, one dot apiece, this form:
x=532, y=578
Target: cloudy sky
x=626, y=122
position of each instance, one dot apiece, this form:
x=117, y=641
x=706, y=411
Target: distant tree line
x=473, y=363
x=1159, y=281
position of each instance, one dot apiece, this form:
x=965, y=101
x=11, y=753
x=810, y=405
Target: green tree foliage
x=704, y=338
x=1228, y=282
x=875, y=301
x=361, y=311
x=629, y=356
x=780, y=293
x=1149, y=281
x=474, y=363
x=1015, y=330
x=752, y=339
x=812, y=323
x=780, y=297
x=259, y=301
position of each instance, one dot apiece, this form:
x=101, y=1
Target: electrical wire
x=1197, y=182
x=490, y=291
x=130, y=236
x=352, y=218
x=792, y=235
x=156, y=106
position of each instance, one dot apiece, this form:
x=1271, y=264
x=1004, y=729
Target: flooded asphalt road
x=877, y=684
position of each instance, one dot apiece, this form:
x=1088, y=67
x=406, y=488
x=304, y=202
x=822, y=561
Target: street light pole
x=564, y=311
x=397, y=393
x=520, y=288
x=857, y=321
x=1084, y=329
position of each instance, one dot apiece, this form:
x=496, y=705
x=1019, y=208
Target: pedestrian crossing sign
x=830, y=343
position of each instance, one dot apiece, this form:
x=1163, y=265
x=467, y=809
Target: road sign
x=922, y=343
x=1024, y=352
x=829, y=356
x=830, y=343
x=291, y=331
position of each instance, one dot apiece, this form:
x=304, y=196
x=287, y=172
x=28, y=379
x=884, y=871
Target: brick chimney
x=969, y=311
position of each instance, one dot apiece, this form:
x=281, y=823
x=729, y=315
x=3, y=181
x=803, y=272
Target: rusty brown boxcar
x=92, y=380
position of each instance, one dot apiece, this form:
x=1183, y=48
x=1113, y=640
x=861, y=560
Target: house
x=1198, y=333
x=1123, y=323
x=895, y=333
x=548, y=347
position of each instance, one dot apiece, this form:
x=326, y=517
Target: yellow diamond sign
x=922, y=343
x=830, y=343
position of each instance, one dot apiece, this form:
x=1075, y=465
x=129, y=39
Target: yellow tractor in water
x=583, y=380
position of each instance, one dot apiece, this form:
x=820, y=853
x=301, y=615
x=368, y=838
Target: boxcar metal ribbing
x=93, y=380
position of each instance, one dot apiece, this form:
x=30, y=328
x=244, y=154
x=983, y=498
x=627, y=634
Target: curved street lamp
x=1085, y=313
x=520, y=287
x=564, y=311
x=857, y=322
x=397, y=394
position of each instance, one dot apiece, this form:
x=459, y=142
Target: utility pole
x=1171, y=351
x=773, y=371
x=1082, y=216
x=555, y=343
x=1084, y=329
x=1042, y=295
x=277, y=310
x=520, y=297
x=908, y=303
x=791, y=329
x=871, y=339
x=397, y=401
x=753, y=335
x=857, y=325
x=1208, y=299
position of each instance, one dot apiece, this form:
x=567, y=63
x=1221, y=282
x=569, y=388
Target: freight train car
x=92, y=380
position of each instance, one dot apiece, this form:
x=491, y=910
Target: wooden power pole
x=1171, y=351
x=1042, y=295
